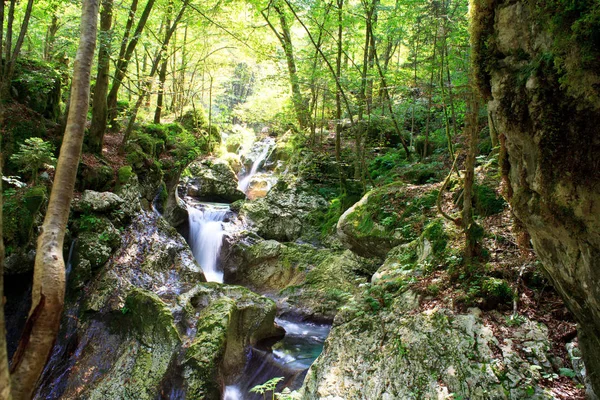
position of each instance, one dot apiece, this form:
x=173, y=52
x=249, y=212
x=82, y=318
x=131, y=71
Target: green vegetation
x=32, y=154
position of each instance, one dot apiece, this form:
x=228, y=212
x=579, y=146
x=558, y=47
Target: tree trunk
x=4, y=370
x=50, y=37
x=469, y=226
x=285, y=38
x=99, y=102
x=155, y=63
x=162, y=73
x=48, y=291
x=123, y=62
x=338, y=99
x=12, y=54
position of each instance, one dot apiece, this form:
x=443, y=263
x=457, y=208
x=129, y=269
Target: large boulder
x=539, y=66
x=212, y=179
x=100, y=202
x=403, y=353
x=281, y=215
x=385, y=218
x=307, y=281
x=149, y=325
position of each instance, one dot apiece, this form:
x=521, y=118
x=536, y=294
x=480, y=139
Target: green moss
x=202, y=357
x=487, y=202
x=20, y=208
x=147, y=316
x=124, y=174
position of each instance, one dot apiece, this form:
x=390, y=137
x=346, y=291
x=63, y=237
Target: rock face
x=148, y=326
x=281, y=214
x=402, y=354
x=386, y=217
x=307, y=281
x=540, y=68
x=213, y=180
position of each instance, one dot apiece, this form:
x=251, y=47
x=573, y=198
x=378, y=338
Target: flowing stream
x=264, y=149
x=289, y=358
x=206, y=237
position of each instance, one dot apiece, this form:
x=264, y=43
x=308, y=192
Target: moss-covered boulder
x=212, y=179
x=98, y=202
x=21, y=213
x=268, y=265
x=231, y=318
x=400, y=352
x=281, y=215
x=96, y=238
x=386, y=217
x=147, y=327
x=38, y=85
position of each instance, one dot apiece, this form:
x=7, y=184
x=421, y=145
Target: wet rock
x=213, y=180
x=125, y=336
x=230, y=319
x=282, y=213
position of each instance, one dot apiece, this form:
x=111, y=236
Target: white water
x=268, y=145
x=232, y=393
x=206, y=237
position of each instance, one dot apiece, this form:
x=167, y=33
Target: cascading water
x=206, y=237
x=267, y=145
x=290, y=359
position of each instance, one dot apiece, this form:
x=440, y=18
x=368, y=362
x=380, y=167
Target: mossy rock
x=149, y=318
x=407, y=261
x=98, y=178
x=385, y=218
x=38, y=85
x=124, y=174
x=20, y=209
x=486, y=201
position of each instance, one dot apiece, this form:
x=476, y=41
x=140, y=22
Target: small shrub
x=34, y=153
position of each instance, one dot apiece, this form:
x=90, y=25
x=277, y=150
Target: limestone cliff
x=538, y=64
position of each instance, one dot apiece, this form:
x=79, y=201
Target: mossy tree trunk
x=48, y=290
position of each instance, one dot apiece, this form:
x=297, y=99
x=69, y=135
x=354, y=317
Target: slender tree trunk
x=12, y=54
x=338, y=97
x=415, y=84
x=99, y=102
x=388, y=97
x=123, y=62
x=4, y=369
x=49, y=273
x=285, y=38
x=469, y=226
x=9, y=34
x=50, y=37
x=145, y=88
x=162, y=73
x=430, y=95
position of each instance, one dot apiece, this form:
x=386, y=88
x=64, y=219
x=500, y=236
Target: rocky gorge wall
x=538, y=65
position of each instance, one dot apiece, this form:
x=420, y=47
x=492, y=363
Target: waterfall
x=206, y=237
x=267, y=146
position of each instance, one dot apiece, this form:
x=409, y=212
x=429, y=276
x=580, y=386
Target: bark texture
x=49, y=274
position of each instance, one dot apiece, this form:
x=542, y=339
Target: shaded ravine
x=289, y=358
